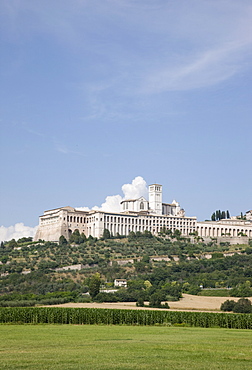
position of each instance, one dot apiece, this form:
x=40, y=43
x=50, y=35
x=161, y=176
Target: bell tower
x=155, y=198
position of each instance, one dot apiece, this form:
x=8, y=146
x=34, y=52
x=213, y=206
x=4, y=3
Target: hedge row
x=55, y=315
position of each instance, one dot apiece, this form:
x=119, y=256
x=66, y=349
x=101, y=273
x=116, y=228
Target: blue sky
x=96, y=93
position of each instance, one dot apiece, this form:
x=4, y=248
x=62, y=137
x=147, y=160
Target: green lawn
x=123, y=347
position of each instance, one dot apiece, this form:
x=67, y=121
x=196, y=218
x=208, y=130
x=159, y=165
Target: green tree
x=243, y=306
x=242, y=290
x=213, y=217
x=62, y=240
x=177, y=234
x=228, y=305
x=223, y=215
x=94, y=285
x=106, y=234
x=76, y=237
x=12, y=243
x=155, y=300
x=228, y=214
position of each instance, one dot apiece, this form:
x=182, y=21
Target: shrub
x=243, y=306
x=140, y=302
x=105, y=297
x=228, y=306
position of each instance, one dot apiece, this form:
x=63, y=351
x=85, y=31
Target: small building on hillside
x=121, y=283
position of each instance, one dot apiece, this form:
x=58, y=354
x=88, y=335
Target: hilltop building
x=135, y=215
x=231, y=227
x=140, y=215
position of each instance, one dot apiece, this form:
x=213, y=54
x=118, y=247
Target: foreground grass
x=123, y=347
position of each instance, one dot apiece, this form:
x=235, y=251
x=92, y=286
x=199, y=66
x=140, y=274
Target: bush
x=228, y=306
x=105, y=297
x=243, y=306
x=25, y=303
x=140, y=302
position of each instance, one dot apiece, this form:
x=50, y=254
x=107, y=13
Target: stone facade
x=136, y=215
x=139, y=215
x=228, y=228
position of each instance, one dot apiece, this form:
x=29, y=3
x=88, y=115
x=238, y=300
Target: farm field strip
x=100, y=347
x=95, y=316
x=188, y=302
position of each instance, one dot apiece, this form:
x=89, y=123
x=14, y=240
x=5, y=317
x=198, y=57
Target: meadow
x=54, y=346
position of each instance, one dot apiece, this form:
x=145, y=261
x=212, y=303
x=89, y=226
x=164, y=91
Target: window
x=142, y=205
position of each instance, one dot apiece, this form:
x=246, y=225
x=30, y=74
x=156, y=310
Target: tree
x=213, y=217
x=242, y=290
x=62, y=240
x=140, y=302
x=228, y=215
x=12, y=243
x=177, y=234
x=106, y=234
x=228, y=305
x=223, y=214
x=77, y=238
x=155, y=300
x=243, y=306
x=25, y=239
x=94, y=285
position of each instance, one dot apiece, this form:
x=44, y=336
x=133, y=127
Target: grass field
x=123, y=347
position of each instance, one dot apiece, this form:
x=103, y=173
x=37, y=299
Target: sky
x=96, y=95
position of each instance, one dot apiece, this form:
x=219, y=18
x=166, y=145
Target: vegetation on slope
x=30, y=270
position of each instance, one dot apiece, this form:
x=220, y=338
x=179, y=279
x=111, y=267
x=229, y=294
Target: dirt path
x=187, y=303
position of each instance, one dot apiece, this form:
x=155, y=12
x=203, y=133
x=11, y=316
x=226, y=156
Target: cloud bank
x=17, y=231
x=136, y=189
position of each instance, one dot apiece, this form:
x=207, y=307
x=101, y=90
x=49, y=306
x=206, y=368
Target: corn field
x=96, y=316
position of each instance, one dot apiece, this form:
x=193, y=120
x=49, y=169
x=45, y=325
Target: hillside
x=166, y=266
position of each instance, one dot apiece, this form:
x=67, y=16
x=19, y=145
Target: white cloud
x=17, y=231
x=202, y=69
x=159, y=46
x=136, y=189
x=111, y=204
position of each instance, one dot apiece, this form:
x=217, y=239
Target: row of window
x=76, y=219
x=155, y=219
x=49, y=220
x=128, y=220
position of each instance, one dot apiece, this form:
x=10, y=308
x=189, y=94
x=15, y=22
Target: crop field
x=54, y=346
